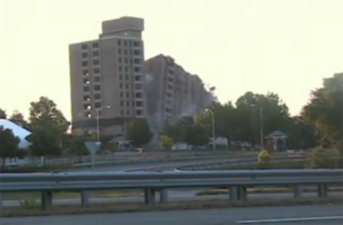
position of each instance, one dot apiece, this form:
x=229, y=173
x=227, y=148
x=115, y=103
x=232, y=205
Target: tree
x=248, y=115
x=177, y=130
x=18, y=118
x=48, y=127
x=75, y=145
x=324, y=111
x=9, y=145
x=196, y=135
x=301, y=134
x=139, y=132
x=3, y=114
x=322, y=159
x=166, y=142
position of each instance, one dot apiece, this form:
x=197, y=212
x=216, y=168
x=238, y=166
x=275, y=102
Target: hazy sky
x=285, y=46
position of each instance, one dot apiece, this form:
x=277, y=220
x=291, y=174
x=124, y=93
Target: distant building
x=110, y=81
x=172, y=92
x=106, y=77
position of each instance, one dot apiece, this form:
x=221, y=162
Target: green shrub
x=322, y=158
x=264, y=159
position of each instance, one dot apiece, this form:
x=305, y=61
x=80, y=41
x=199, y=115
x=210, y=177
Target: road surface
x=296, y=215
x=180, y=195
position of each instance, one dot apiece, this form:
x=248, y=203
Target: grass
x=70, y=195
x=300, y=164
x=125, y=207
x=260, y=190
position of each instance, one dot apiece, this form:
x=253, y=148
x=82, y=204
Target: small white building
x=22, y=134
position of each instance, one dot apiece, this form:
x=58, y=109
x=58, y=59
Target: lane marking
x=290, y=219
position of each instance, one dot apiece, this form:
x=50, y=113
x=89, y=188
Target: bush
x=264, y=159
x=322, y=158
x=166, y=142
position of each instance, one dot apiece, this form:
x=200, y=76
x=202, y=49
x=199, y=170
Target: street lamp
x=213, y=130
x=98, y=122
x=261, y=128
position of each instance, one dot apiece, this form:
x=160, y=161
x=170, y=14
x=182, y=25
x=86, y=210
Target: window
x=84, y=55
x=84, y=46
x=137, y=78
x=138, y=86
x=168, y=110
x=127, y=95
x=126, y=77
x=97, y=87
x=126, y=60
x=87, y=106
x=121, y=103
x=86, y=88
x=121, y=94
x=97, y=79
x=95, y=53
x=170, y=87
x=120, y=77
x=137, y=52
x=96, y=70
x=127, y=103
x=125, y=42
x=136, y=44
x=119, y=60
x=121, y=112
x=97, y=105
x=127, y=86
x=137, y=61
x=84, y=63
x=139, y=95
x=125, y=51
x=96, y=62
x=85, y=72
x=139, y=112
x=170, y=79
x=120, y=68
x=119, y=51
x=121, y=85
x=126, y=69
x=139, y=103
x=169, y=95
x=86, y=98
x=119, y=42
x=86, y=81
x=171, y=71
x=97, y=96
x=128, y=112
x=88, y=115
x=137, y=69
x=95, y=45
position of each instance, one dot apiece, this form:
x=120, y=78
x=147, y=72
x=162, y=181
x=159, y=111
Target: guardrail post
x=84, y=198
x=242, y=193
x=233, y=193
x=163, y=196
x=149, y=196
x=0, y=201
x=46, y=200
x=322, y=190
x=297, y=189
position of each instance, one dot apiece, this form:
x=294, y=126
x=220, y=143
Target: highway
x=296, y=215
x=178, y=195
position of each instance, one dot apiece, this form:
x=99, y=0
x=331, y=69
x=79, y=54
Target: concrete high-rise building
x=106, y=78
x=172, y=92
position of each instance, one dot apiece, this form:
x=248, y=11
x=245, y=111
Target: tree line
x=319, y=123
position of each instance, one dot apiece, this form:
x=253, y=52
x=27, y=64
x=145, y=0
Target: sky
x=283, y=46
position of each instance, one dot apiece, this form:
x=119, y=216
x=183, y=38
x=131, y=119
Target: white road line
x=290, y=219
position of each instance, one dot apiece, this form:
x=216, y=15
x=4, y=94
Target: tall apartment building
x=172, y=92
x=106, y=78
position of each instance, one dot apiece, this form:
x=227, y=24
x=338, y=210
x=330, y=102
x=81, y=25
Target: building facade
x=172, y=92
x=106, y=77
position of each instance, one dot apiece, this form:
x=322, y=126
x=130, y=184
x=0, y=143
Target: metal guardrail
x=152, y=182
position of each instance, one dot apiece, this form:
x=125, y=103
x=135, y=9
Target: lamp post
x=261, y=128
x=98, y=121
x=213, y=129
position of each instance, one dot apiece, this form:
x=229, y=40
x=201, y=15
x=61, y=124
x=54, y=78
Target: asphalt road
x=296, y=215
x=179, y=195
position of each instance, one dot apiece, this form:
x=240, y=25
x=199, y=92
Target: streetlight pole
x=261, y=128
x=98, y=122
x=213, y=129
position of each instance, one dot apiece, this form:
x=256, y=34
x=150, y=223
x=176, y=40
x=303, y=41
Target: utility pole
x=261, y=128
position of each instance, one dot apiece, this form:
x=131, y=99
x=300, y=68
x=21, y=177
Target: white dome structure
x=18, y=131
